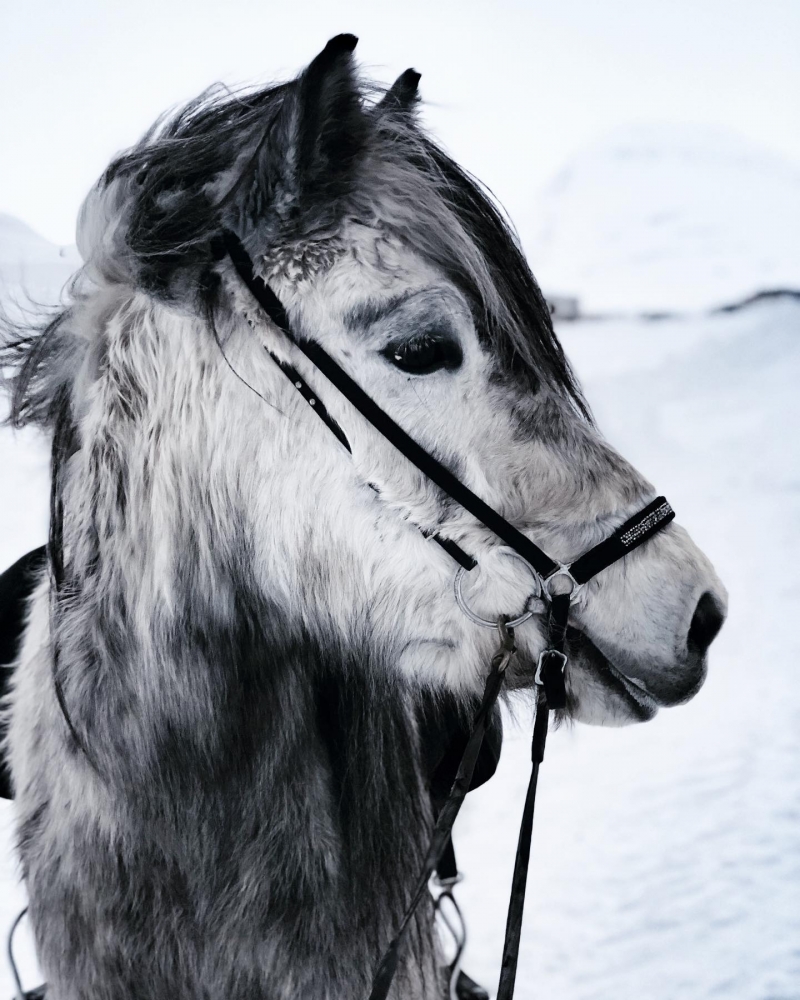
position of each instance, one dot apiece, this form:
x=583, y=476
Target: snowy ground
x=666, y=857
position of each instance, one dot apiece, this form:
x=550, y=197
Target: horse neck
x=278, y=783
x=205, y=706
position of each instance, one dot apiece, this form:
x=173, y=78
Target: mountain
x=665, y=218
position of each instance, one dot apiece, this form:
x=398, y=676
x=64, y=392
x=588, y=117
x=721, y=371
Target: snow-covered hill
x=666, y=218
x=30, y=266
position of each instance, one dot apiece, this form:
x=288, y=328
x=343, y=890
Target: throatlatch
x=552, y=662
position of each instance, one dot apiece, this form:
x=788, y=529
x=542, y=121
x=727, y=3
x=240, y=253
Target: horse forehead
x=368, y=266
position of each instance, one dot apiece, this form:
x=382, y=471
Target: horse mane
x=150, y=221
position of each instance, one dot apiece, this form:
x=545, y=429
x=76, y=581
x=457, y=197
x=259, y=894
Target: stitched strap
x=446, y=866
x=629, y=536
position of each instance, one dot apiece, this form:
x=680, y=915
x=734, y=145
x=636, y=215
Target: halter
x=552, y=661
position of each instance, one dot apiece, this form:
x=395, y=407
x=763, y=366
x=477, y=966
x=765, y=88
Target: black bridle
x=552, y=661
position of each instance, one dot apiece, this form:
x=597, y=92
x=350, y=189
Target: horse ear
x=402, y=96
x=305, y=162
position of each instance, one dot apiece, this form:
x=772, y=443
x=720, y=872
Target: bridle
x=552, y=662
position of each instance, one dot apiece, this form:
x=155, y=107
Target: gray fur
x=229, y=800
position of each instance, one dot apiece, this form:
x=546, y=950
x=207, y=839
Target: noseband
x=552, y=661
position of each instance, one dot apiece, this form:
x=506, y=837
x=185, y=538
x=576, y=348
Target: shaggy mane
x=150, y=221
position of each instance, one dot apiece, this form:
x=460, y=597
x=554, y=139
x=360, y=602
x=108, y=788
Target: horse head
x=401, y=266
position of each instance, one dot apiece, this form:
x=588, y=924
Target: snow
x=30, y=263
x=666, y=857
x=666, y=218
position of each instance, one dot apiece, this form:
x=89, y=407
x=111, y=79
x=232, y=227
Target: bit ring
x=485, y=622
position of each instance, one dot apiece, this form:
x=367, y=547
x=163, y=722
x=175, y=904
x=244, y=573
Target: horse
x=214, y=727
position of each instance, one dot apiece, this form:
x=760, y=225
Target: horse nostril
x=707, y=621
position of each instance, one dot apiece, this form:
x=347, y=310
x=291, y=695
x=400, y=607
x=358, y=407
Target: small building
x=563, y=307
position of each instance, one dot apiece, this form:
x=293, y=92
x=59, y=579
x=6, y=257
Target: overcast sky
x=513, y=88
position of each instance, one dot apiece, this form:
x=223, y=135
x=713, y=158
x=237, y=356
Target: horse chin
x=599, y=693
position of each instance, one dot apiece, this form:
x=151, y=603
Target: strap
x=454, y=549
x=381, y=421
x=382, y=982
x=629, y=536
x=552, y=694
x=516, y=903
x=312, y=399
x=553, y=660
x=446, y=866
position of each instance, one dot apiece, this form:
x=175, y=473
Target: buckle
x=545, y=657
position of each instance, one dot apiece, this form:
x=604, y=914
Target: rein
x=552, y=661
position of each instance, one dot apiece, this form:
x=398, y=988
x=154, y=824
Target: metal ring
x=563, y=569
x=458, y=583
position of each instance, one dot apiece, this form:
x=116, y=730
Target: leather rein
x=552, y=662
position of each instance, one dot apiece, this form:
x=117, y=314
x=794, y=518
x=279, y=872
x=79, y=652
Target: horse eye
x=424, y=354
